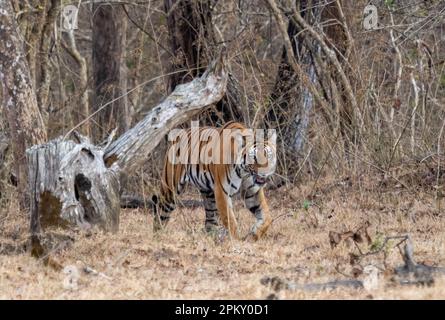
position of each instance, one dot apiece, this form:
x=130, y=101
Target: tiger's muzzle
x=259, y=180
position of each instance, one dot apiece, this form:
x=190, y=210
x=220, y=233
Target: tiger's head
x=260, y=162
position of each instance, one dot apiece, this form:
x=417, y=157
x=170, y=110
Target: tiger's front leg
x=225, y=210
x=256, y=203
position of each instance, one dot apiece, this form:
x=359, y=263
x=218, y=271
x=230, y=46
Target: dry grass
x=184, y=262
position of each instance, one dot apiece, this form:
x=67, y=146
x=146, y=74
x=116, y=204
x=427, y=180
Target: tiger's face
x=261, y=162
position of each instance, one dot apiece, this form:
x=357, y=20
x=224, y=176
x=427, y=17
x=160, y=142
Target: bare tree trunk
x=330, y=43
x=189, y=25
x=26, y=126
x=125, y=120
x=291, y=101
x=43, y=78
x=302, y=75
x=36, y=11
x=349, y=113
x=80, y=113
x=37, y=25
x=107, y=59
x=192, y=41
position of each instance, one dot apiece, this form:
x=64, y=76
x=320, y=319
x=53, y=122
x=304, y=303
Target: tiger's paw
x=258, y=230
x=251, y=236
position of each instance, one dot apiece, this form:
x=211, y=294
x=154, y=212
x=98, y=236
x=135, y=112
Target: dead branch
x=278, y=284
x=83, y=76
x=134, y=202
x=94, y=272
x=412, y=273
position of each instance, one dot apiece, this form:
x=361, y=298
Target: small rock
x=371, y=277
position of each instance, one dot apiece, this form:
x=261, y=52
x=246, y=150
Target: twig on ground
x=90, y=270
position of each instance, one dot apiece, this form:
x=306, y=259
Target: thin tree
x=290, y=102
x=108, y=35
x=26, y=126
x=193, y=43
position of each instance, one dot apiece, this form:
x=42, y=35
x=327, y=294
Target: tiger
x=248, y=169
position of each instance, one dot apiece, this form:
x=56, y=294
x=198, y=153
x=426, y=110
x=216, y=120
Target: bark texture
x=25, y=122
x=193, y=43
x=107, y=58
x=291, y=100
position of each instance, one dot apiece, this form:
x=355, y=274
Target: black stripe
x=203, y=180
x=208, y=175
x=207, y=192
x=209, y=187
x=167, y=210
x=254, y=208
x=251, y=196
x=237, y=172
x=222, y=187
x=193, y=177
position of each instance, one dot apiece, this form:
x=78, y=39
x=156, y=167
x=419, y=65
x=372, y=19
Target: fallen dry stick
x=134, y=202
x=90, y=270
x=278, y=284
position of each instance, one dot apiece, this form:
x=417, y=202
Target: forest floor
x=184, y=262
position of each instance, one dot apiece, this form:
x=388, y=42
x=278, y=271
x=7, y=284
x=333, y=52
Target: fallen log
x=75, y=183
x=135, y=202
x=278, y=284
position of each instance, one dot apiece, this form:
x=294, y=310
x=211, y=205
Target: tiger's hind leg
x=162, y=207
x=225, y=210
x=211, y=222
x=172, y=184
